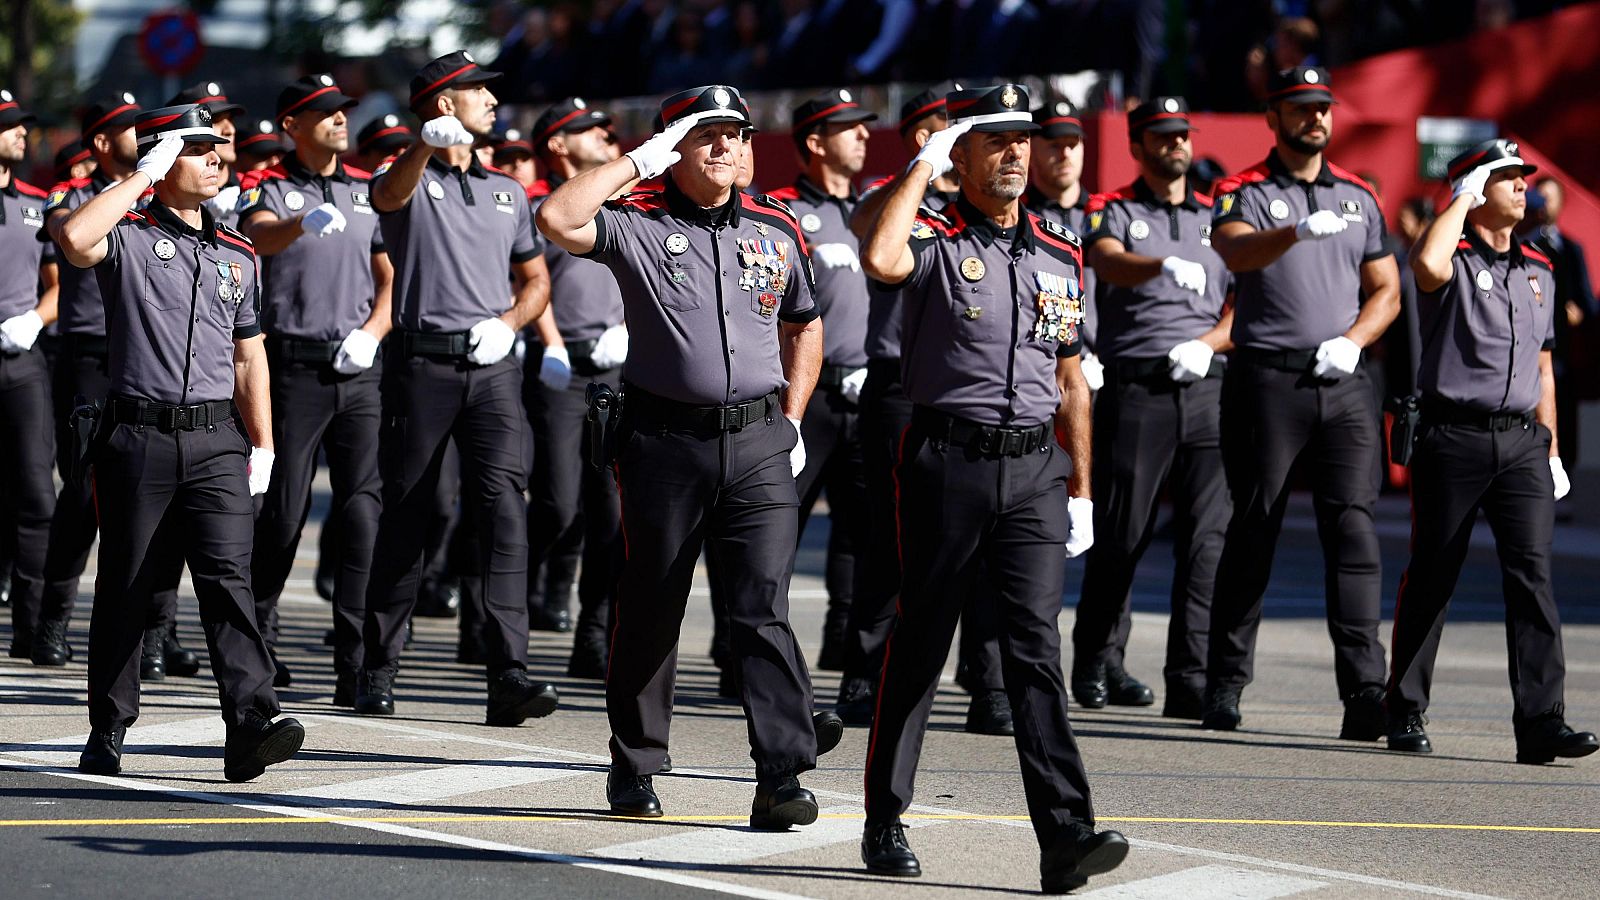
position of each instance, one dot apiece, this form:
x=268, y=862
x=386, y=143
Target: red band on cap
x=1301, y=87
x=671, y=112
x=398, y=129
x=1468, y=164
x=217, y=97
x=8, y=106
x=307, y=99
x=952, y=107
x=258, y=138
x=1063, y=120
x=824, y=113
x=435, y=86
x=149, y=125
x=922, y=111
x=560, y=123
x=109, y=116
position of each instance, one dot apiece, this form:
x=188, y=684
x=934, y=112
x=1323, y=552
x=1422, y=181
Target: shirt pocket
x=680, y=286
x=166, y=288
x=976, y=313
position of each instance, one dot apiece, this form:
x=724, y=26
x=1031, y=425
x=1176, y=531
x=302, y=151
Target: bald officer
x=188, y=399
x=724, y=350
x=1487, y=442
x=458, y=235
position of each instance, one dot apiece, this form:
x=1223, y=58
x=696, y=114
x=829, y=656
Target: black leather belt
x=1438, y=411
x=1282, y=360
x=830, y=378
x=94, y=345
x=165, y=416
x=994, y=440
x=304, y=351
x=651, y=409
x=447, y=345
x=1158, y=369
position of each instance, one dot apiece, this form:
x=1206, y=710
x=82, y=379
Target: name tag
x=361, y=203
x=32, y=217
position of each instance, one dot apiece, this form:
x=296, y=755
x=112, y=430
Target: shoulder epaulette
x=1351, y=177
x=1252, y=175
x=786, y=194
x=25, y=188
x=233, y=237
x=1100, y=201
x=1052, y=233
x=251, y=180
x=540, y=188
x=1532, y=253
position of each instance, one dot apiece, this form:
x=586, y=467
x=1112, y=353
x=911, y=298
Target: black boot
x=102, y=755
x=542, y=617
x=632, y=795
x=990, y=713
x=375, y=691
x=180, y=662
x=281, y=676
x=1089, y=686
x=258, y=742
x=1406, y=734
x=438, y=599
x=1185, y=700
x=152, y=661
x=588, y=660
x=1123, y=689
x=1543, y=739
x=344, y=689
x=1364, y=717
x=1068, y=862
x=50, y=647
x=835, y=632
x=829, y=728
x=857, y=702
x=885, y=851
x=1222, y=710
x=515, y=698
x=782, y=803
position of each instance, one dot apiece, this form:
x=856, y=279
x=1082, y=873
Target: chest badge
x=1205, y=235
x=1484, y=279
x=811, y=223
x=1138, y=229
x=972, y=269
x=677, y=243
x=166, y=249
x=1538, y=292
x=762, y=228
x=295, y=200
x=1278, y=209
x=435, y=190
x=972, y=312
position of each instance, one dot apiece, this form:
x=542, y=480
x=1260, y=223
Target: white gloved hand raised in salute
x=1471, y=185
x=936, y=152
x=657, y=155
x=155, y=164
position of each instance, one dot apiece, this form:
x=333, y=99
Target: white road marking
x=140, y=740
x=430, y=785
x=727, y=846
x=1209, y=883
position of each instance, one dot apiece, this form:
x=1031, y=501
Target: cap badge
x=1511, y=148
x=297, y=201
x=264, y=126
x=513, y=134
x=1485, y=280
x=1008, y=97
x=203, y=115
x=845, y=96
x=213, y=88
x=166, y=249
x=811, y=223
x=1063, y=109
x=1278, y=209
x=326, y=80
x=391, y=121
x=720, y=97
x=5, y=96
x=435, y=190
x=677, y=243
x=579, y=103
x=972, y=268
x=127, y=97
x=1312, y=77
x=1138, y=229
x=1170, y=106
x=468, y=57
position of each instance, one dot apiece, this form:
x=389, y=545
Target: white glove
x=322, y=221
x=658, y=154
x=1094, y=371
x=1191, y=361
x=1471, y=185
x=1321, y=224
x=446, y=131
x=1558, y=473
x=936, y=152
x=797, y=456
x=1191, y=276
x=356, y=354
x=158, y=162
x=491, y=341
x=555, y=372
x=851, y=386
x=836, y=256
x=18, y=333
x=225, y=200
x=260, y=470
x=1080, y=525
x=1336, y=358
x=611, y=348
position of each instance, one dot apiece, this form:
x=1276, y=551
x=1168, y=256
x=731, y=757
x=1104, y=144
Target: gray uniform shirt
x=883, y=313
x=841, y=286
x=81, y=310
x=317, y=288
x=1149, y=319
x=1311, y=293
x=1482, y=332
x=22, y=249
x=704, y=291
x=987, y=313
x=451, y=243
x=583, y=293
x=176, y=300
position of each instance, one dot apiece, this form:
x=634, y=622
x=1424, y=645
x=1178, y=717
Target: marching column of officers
x=921, y=354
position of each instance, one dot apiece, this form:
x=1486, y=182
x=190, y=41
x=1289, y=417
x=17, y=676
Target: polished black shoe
x=588, y=660
x=375, y=691
x=666, y=763
x=325, y=584
x=1067, y=864
x=515, y=698
x=728, y=684
x=1089, y=687
x=102, y=755
x=835, y=637
x=885, y=851
x=344, y=689
x=782, y=804
x=632, y=795
x=829, y=728
x=258, y=742
x=281, y=676
x=1222, y=710
x=1406, y=735
x=180, y=662
x=50, y=647
x=544, y=618
x=1184, y=701
x=857, y=702
x=152, y=661
x=1544, y=739
x=990, y=713
x=1123, y=689
x=1364, y=716
x=21, y=647
x=832, y=656
x=438, y=599
x=330, y=638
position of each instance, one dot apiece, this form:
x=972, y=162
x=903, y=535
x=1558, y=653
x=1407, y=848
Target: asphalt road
x=431, y=803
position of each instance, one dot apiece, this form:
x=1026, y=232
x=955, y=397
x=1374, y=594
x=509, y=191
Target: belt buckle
x=729, y=419
x=172, y=418
x=1011, y=443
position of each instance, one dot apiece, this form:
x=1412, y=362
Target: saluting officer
x=225, y=205
x=992, y=300
x=1164, y=317
x=380, y=139
x=1315, y=285
x=188, y=399
x=585, y=342
x=326, y=282
x=28, y=288
x=459, y=236
x=709, y=444
x=830, y=133
x=1487, y=442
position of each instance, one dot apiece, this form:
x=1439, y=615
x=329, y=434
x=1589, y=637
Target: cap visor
x=1303, y=97
x=1168, y=126
x=1063, y=129
x=225, y=109
x=331, y=102
x=476, y=76
x=10, y=121
x=848, y=116
x=1002, y=127
x=726, y=116
x=205, y=139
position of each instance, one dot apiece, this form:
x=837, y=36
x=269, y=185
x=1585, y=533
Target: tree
x=37, y=57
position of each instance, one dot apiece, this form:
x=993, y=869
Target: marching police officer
x=325, y=306
x=705, y=454
x=458, y=235
x=380, y=139
x=514, y=156
x=584, y=342
x=74, y=160
x=1056, y=192
x=992, y=300
x=1487, y=442
x=188, y=398
x=830, y=133
x=225, y=205
x=260, y=146
x=27, y=305
x=1315, y=284
x=1164, y=315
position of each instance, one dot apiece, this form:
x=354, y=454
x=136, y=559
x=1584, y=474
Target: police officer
x=27, y=305
x=260, y=146
x=225, y=205
x=74, y=160
x=458, y=235
x=584, y=342
x=380, y=139
x=992, y=301
x=830, y=133
x=1055, y=191
x=188, y=398
x=514, y=155
x=1487, y=442
x=1315, y=285
x=706, y=456
x=1164, y=317
x=325, y=305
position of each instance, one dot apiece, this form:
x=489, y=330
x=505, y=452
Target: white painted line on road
x=728, y=846
x=430, y=785
x=1335, y=874
x=1209, y=883
x=139, y=740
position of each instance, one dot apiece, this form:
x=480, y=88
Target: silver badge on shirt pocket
x=811, y=223
x=32, y=217
x=1138, y=229
x=435, y=190
x=166, y=249
x=1278, y=209
x=295, y=201
x=677, y=243
x=1484, y=279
